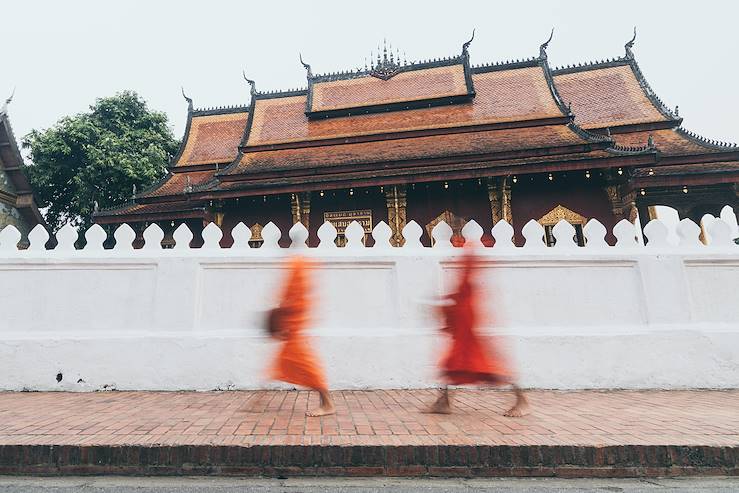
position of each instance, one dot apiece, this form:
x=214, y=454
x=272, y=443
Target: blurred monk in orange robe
x=468, y=359
x=295, y=362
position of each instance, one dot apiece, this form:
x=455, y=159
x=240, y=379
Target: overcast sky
x=60, y=56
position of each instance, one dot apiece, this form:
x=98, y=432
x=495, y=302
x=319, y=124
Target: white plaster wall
x=659, y=316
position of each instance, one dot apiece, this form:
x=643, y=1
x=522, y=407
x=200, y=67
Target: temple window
x=551, y=218
x=454, y=221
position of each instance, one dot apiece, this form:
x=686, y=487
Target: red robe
x=295, y=362
x=468, y=359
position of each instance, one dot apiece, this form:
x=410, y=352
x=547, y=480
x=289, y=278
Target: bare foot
x=517, y=411
x=324, y=410
x=521, y=407
x=441, y=406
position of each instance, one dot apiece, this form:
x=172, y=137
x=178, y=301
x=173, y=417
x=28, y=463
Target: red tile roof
x=142, y=212
x=667, y=141
x=175, y=183
x=401, y=171
x=212, y=138
x=458, y=144
x=502, y=96
x=607, y=97
x=366, y=90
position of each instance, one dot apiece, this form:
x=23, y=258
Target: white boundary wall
x=626, y=316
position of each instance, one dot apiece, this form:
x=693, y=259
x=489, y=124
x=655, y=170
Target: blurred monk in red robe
x=295, y=362
x=468, y=359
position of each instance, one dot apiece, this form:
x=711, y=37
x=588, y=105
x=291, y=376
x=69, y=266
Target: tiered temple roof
x=399, y=122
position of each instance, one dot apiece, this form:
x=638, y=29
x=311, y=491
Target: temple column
x=218, y=219
x=505, y=202
x=300, y=208
x=495, y=196
x=615, y=200
x=628, y=206
x=395, y=197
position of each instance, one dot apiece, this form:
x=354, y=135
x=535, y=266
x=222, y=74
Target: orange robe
x=468, y=359
x=295, y=362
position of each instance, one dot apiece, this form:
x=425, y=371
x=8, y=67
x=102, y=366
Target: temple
x=17, y=205
x=440, y=140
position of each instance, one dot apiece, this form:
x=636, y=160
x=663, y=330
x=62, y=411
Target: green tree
x=98, y=157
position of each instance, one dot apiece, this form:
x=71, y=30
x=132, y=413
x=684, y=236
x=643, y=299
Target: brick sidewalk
x=671, y=423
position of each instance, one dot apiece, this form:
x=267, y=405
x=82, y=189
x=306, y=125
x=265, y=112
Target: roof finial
x=677, y=110
x=133, y=192
x=189, y=100
x=305, y=66
x=650, y=142
x=386, y=66
x=629, y=45
x=253, y=90
x=544, y=45
x=188, y=185
x=466, y=45
x=95, y=206
x=4, y=108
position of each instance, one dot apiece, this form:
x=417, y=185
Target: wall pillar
x=396, y=199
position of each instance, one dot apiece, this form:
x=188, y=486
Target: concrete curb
x=357, y=460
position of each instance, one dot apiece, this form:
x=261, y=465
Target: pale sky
x=60, y=56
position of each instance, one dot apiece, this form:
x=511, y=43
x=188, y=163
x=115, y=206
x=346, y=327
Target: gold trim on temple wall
x=494, y=197
x=219, y=219
x=300, y=208
x=454, y=221
x=561, y=212
x=256, y=232
x=506, y=200
x=396, y=201
x=295, y=207
x=621, y=205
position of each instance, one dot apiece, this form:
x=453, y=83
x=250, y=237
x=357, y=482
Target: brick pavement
x=384, y=420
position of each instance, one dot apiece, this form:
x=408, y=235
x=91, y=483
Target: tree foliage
x=98, y=157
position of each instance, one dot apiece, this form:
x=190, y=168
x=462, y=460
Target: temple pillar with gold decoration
x=615, y=200
x=395, y=196
x=300, y=208
x=494, y=196
x=499, y=195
